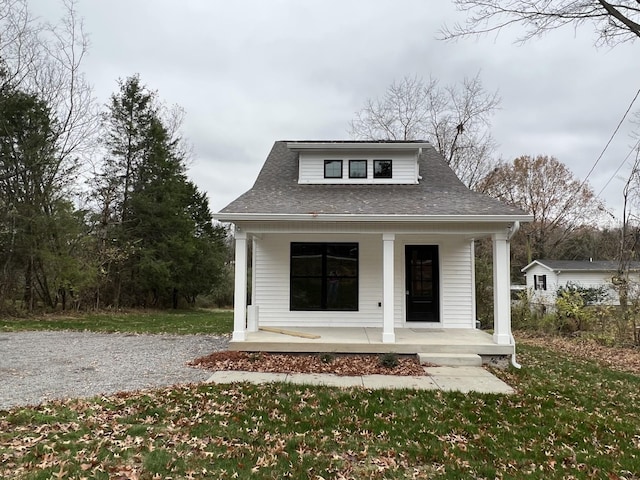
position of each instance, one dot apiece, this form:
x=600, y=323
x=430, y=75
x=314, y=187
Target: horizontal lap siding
x=456, y=275
x=271, y=291
x=272, y=283
x=404, y=168
x=457, y=308
x=591, y=280
x=547, y=296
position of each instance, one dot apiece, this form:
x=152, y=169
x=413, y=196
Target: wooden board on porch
x=289, y=332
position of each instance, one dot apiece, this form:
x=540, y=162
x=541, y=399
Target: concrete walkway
x=461, y=379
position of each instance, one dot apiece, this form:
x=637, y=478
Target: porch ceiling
x=369, y=340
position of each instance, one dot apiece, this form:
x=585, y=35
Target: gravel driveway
x=40, y=366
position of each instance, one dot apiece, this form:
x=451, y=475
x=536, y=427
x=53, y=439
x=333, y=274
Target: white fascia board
x=324, y=146
x=536, y=262
x=319, y=217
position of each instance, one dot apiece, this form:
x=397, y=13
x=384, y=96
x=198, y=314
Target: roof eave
x=323, y=146
x=321, y=217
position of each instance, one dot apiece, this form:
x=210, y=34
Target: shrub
x=389, y=360
x=523, y=315
x=589, y=295
x=572, y=312
x=327, y=358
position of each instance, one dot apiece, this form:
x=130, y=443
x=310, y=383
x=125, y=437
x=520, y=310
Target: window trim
x=366, y=167
x=377, y=161
x=327, y=162
x=324, y=276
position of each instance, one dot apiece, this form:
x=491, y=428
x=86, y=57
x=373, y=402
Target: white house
x=545, y=277
x=365, y=234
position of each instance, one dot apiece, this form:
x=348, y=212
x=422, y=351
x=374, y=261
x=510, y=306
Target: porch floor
x=369, y=340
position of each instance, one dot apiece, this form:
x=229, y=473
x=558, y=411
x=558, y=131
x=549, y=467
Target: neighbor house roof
x=580, y=265
x=438, y=193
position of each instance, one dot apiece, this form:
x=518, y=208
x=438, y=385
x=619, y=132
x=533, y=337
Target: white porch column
x=501, y=289
x=252, y=308
x=388, y=333
x=240, y=291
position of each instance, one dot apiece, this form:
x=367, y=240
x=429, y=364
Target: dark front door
x=422, y=289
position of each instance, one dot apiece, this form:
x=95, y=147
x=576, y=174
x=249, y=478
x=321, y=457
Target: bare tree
x=44, y=59
x=47, y=118
x=546, y=188
x=454, y=118
x=614, y=23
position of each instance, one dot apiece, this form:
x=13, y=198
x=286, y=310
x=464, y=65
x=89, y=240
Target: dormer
x=358, y=162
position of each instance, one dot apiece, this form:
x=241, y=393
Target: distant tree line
x=96, y=209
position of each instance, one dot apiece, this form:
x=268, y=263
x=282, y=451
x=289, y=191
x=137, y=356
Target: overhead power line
x=610, y=139
x=633, y=149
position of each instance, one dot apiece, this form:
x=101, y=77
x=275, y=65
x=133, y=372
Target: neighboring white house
x=365, y=234
x=544, y=277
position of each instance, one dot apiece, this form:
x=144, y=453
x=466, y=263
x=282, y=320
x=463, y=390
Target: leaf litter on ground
x=347, y=364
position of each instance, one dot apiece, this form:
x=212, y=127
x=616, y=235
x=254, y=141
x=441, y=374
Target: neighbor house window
x=539, y=282
x=357, y=169
x=333, y=169
x=324, y=276
x=382, y=169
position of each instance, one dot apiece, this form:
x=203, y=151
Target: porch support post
x=501, y=289
x=252, y=308
x=240, y=290
x=388, y=333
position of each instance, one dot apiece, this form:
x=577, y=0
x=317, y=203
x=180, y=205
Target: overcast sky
x=250, y=72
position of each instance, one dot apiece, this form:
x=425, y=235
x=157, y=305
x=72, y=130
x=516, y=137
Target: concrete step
x=450, y=359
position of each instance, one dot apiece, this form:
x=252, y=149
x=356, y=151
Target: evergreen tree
x=167, y=248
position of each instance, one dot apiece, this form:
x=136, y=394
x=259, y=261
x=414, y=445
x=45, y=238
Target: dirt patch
x=307, y=363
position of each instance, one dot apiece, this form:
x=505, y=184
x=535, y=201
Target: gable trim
x=534, y=263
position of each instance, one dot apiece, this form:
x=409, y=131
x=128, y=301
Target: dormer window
x=382, y=169
x=333, y=169
x=358, y=163
x=357, y=169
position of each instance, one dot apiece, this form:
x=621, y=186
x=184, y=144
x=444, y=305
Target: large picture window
x=324, y=276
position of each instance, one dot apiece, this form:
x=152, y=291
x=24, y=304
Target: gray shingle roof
x=583, y=265
x=440, y=192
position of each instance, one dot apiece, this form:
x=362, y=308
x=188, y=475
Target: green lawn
x=166, y=321
x=570, y=418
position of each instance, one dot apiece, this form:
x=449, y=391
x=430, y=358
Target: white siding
x=547, y=296
x=404, y=167
x=457, y=308
x=555, y=281
x=593, y=280
x=457, y=287
x=271, y=289
x=272, y=283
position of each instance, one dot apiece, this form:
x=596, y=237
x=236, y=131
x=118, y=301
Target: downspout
x=514, y=229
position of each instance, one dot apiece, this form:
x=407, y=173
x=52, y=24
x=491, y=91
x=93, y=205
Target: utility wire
x=577, y=190
x=633, y=149
x=610, y=140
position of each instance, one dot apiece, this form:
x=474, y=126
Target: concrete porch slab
x=369, y=340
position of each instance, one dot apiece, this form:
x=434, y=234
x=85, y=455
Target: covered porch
x=263, y=287
x=370, y=340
